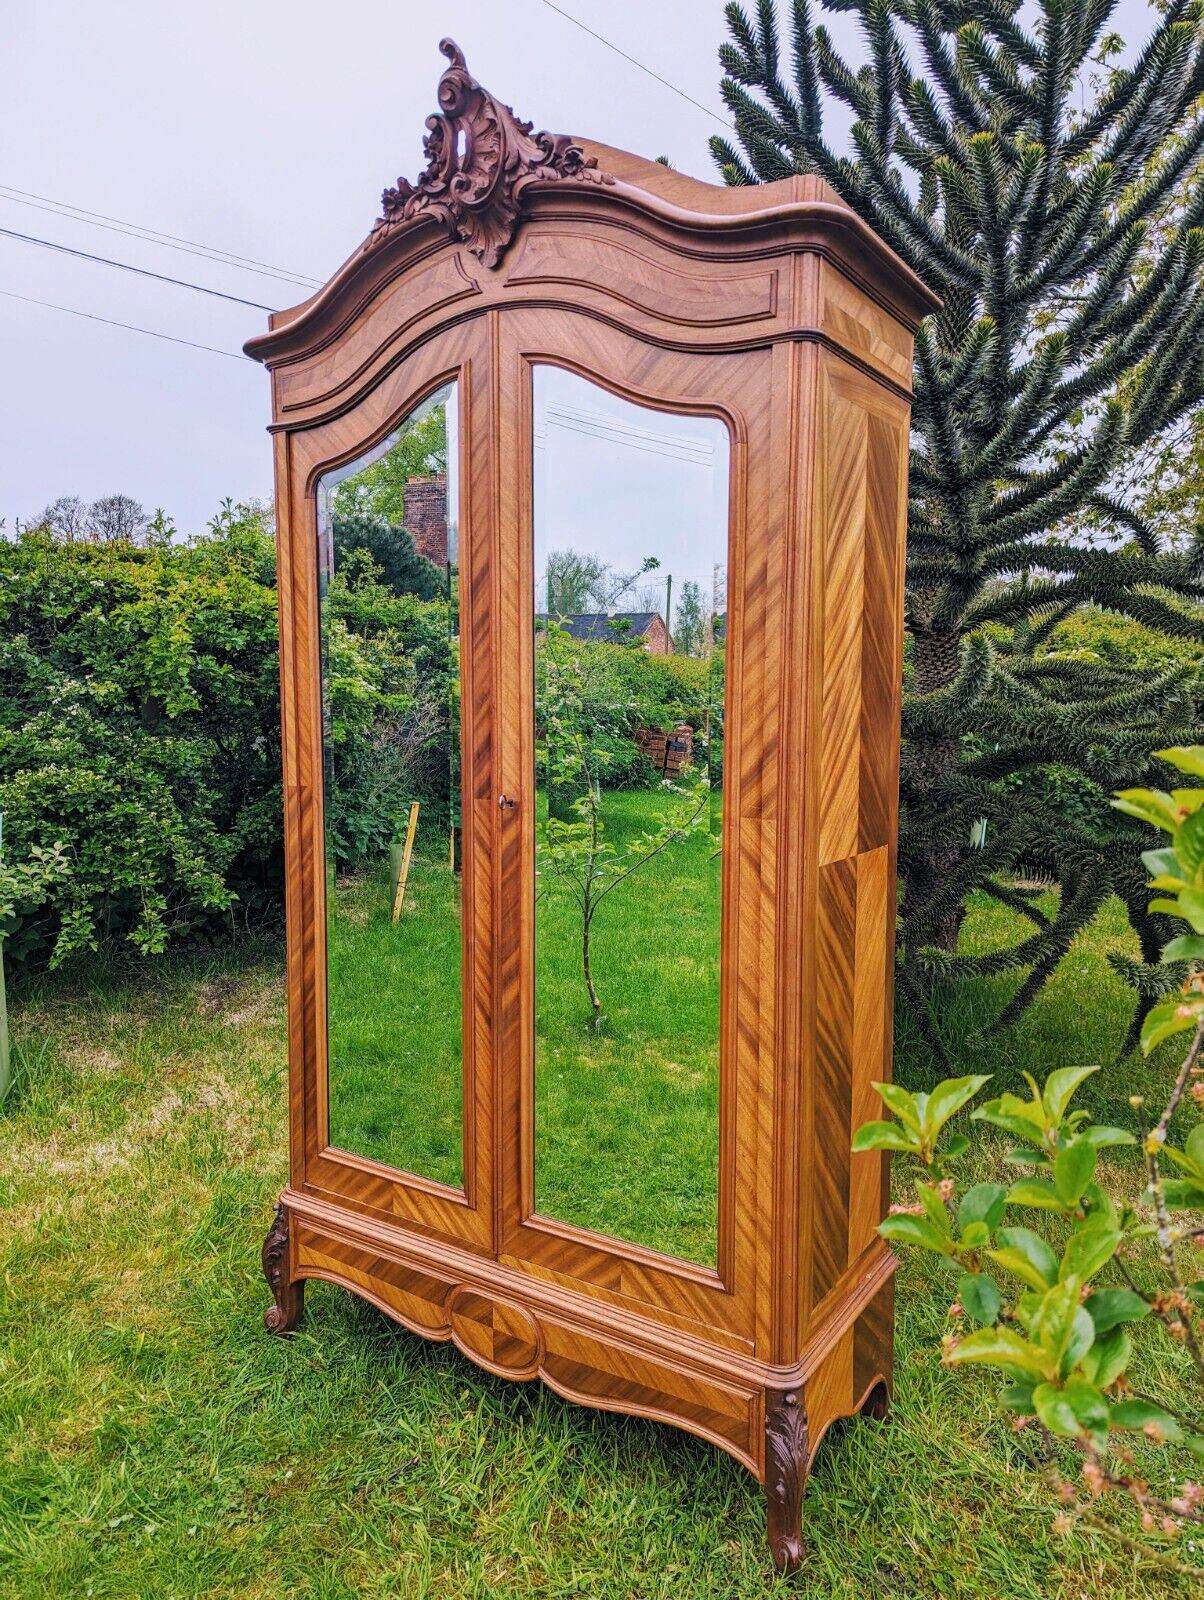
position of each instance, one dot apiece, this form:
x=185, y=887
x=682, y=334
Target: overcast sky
x=266, y=128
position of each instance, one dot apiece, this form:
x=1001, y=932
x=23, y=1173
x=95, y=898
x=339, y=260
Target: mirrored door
x=389, y=610
x=630, y=531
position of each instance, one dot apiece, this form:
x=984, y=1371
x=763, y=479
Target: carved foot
x=289, y=1296
x=785, y=1475
x=877, y=1402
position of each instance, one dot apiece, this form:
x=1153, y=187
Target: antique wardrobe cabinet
x=526, y=314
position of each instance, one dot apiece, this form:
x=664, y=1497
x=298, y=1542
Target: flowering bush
x=1058, y=1276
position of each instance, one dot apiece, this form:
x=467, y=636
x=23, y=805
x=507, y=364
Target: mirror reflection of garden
x=628, y=715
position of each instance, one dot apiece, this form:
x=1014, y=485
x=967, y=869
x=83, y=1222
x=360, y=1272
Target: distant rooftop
x=602, y=624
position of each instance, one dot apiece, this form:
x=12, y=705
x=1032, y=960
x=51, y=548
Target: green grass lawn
x=155, y=1442
x=627, y=1116
x=394, y=1009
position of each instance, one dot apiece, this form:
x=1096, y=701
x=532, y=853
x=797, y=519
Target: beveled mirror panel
x=630, y=517
x=388, y=592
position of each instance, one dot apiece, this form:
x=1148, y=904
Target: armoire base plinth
x=590, y=1350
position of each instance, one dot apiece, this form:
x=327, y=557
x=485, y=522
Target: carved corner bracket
x=479, y=157
x=288, y=1295
x=786, y=1459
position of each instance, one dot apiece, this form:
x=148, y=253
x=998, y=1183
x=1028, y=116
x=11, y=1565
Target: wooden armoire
x=568, y=418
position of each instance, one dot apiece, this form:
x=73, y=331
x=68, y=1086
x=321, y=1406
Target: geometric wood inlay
x=497, y=1333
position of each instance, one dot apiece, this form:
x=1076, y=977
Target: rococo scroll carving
x=785, y=1475
x=283, y=1316
x=479, y=156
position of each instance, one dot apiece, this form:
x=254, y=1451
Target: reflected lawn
x=627, y=1118
x=394, y=1008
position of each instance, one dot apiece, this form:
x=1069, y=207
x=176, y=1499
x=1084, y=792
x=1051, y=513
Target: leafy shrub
x=139, y=738
x=621, y=690
x=140, y=732
x=1059, y=1295
x=392, y=694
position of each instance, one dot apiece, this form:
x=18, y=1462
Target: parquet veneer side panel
x=840, y=518
x=828, y=1174
x=869, y=1041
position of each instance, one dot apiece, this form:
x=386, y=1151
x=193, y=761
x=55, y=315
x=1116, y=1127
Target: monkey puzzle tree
x=1064, y=344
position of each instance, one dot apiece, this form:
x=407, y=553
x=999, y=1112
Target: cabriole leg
x=288, y=1294
x=785, y=1475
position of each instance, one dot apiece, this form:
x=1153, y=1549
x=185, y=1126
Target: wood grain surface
x=776, y=311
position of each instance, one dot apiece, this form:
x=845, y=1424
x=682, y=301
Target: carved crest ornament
x=479, y=157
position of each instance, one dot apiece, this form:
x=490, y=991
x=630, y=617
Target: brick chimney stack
x=425, y=512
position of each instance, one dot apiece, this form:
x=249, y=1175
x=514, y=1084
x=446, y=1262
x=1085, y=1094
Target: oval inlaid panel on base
x=497, y=1333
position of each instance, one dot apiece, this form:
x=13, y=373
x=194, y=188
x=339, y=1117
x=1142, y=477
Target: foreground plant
x=1060, y=1294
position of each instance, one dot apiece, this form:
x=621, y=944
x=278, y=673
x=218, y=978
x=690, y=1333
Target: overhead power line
x=635, y=62
x=173, y=241
x=130, y=327
x=128, y=266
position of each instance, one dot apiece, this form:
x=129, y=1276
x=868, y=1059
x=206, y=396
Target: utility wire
x=128, y=266
x=101, y=219
x=601, y=38
x=129, y=326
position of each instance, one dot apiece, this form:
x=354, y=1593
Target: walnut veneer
x=778, y=311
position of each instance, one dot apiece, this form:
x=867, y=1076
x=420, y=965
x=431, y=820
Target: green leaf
x=1165, y=1020
x=1089, y=1248
x=1161, y=863
x=1062, y=1327
x=1060, y=1086
x=904, y=1229
x=1025, y=1158
x=884, y=1136
x=1108, y=1308
x=1187, y=947
x=979, y=1297
x=1075, y=1411
x=1180, y=1195
x=1108, y=1357
x=901, y=1103
x=1073, y=1170
x=1100, y=1137
x=1018, y=1397
x=1024, y=1119
x=1154, y=806
x=1000, y=1347
x=1035, y=1192
x=948, y=1098
x=1187, y=758
x=1136, y=1415
x=1027, y=1256
x=1189, y=845
x=983, y=1203
x=1191, y=907
x=935, y=1208
x=957, y=1146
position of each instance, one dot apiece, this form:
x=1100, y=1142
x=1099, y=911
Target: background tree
x=65, y=518
x=974, y=158
x=570, y=579
x=391, y=547
x=689, y=624
x=419, y=451
x=116, y=516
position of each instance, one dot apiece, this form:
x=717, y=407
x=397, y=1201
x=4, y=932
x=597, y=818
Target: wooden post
x=411, y=829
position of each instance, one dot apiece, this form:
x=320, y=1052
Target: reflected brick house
x=617, y=627
x=425, y=516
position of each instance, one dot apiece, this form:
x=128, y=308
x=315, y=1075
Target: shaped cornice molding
x=479, y=157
